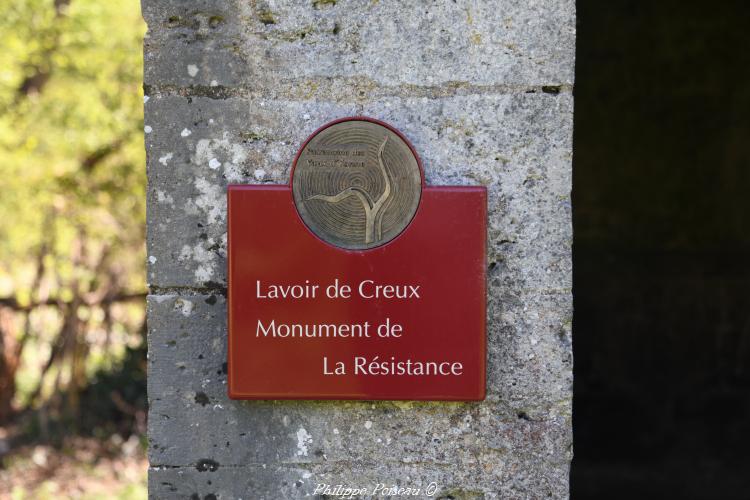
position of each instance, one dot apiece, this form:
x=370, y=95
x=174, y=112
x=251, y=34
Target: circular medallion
x=356, y=184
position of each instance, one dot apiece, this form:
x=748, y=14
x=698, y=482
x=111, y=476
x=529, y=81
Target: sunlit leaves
x=52, y=128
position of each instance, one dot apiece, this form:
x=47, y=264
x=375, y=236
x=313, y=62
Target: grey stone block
x=267, y=45
x=488, y=476
x=527, y=414
x=484, y=91
x=518, y=145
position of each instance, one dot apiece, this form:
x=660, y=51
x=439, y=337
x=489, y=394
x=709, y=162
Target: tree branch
x=12, y=303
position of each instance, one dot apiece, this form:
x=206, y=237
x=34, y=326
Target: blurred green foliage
x=71, y=149
x=72, y=198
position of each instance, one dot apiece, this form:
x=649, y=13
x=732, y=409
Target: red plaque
x=391, y=307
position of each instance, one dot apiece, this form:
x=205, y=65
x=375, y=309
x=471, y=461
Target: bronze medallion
x=357, y=184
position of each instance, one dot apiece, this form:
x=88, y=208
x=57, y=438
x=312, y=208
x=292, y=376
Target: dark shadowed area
x=662, y=238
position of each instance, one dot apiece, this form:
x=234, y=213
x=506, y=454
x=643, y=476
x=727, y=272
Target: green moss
x=266, y=17
x=250, y=136
x=318, y=4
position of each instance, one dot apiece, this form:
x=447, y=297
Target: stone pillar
x=484, y=91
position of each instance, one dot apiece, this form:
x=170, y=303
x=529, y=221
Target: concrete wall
x=484, y=91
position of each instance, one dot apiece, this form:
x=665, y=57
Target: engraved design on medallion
x=373, y=209
x=356, y=184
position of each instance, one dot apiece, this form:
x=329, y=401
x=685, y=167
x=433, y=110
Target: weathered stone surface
x=518, y=145
x=479, y=480
x=383, y=43
x=484, y=91
x=527, y=410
